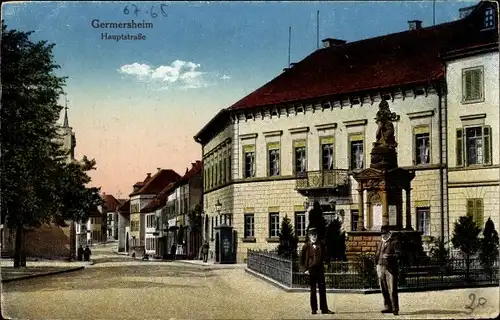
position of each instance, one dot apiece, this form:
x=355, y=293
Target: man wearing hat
x=386, y=258
x=311, y=263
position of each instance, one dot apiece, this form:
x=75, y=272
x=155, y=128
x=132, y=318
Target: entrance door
x=217, y=246
x=126, y=242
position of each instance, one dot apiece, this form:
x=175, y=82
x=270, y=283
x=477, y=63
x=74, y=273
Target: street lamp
x=218, y=207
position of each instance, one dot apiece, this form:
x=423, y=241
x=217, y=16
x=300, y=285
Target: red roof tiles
x=110, y=203
x=398, y=59
x=159, y=181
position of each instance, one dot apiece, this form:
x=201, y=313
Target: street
x=117, y=287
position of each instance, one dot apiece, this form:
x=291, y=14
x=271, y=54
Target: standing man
x=205, y=248
x=311, y=263
x=386, y=258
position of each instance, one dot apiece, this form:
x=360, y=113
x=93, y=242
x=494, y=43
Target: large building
x=301, y=136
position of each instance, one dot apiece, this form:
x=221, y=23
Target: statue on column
x=383, y=154
x=385, y=131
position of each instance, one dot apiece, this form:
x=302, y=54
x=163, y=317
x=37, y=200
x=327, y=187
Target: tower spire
x=66, y=122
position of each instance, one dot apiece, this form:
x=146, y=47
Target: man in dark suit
x=386, y=259
x=311, y=263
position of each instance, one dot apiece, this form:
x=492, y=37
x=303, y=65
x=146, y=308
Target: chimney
x=330, y=42
x=149, y=174
x=415, y=24
x=187, y=170
x=158, y=168
x=293, y=64
x=193, y=164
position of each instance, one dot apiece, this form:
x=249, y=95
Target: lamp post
x=218, y=208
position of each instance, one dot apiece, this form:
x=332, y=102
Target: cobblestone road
x=119, y=288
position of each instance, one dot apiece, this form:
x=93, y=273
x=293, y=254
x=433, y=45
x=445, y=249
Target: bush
x=465, y=238
x=488, y=252
x=365, y=265
x=335, y=242
x=288, y=240
x=440, y=254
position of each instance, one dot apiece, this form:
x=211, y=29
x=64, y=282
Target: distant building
x=299, y=138
x=124, y=225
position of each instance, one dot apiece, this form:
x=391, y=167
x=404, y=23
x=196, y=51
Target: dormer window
x=489, y=18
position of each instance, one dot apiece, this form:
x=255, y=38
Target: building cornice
x=420, y=114
x=352, y=123
x=299, y=130
x=326, y=126
x=248, y=136
x=473, y=116
x=274, y=133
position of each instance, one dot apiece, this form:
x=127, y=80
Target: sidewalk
x=212, y=265
x=36, y=269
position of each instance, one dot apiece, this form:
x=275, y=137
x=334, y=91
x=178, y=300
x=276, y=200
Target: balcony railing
x=322, y=179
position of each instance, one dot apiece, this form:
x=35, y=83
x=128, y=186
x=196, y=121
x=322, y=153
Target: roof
x=399, y=59
x=158, y=182
x=95, y=212
x=191, y=173
x=110, y=202
x=161, y=199
x=139, y=184
x=395, y=60
x=125, y=207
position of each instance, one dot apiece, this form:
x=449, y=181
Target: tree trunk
x=19, y=252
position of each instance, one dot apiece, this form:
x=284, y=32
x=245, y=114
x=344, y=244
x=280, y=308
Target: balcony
x=327, y=180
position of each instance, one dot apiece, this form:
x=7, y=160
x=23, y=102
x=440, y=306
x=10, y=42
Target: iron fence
x=271, y=265
x=362, y=274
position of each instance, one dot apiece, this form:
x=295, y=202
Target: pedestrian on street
x=206, y=246
x=386, y=258
x=87, y=253
x=311, y=263
x=80, y=253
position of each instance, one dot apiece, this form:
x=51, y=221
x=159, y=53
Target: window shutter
x=476, y=76
x=468, y=85
x=479, y=212
x=487, y=145
x=459, y=147
x=470, y=208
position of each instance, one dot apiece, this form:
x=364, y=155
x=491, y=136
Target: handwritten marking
x=473, y=305
x=133, y=9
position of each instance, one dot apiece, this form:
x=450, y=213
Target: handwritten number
x=162, y=11
x=480, y=302
x=125, y=10
x=153, y=14
x=136, y=10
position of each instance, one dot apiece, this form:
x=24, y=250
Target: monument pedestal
x=359, y=242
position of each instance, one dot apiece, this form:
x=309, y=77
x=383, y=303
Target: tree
x=488, y=252
x=317, y=220
x=195, y=218
x=288, y=239
x=35, y=174
x=335, y=241
x=465, y=238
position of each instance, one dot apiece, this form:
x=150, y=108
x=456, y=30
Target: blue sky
x=135, y=105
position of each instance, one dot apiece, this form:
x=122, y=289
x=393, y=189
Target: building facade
x=300, y=137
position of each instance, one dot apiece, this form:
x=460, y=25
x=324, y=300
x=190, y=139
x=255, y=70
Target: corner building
x=300, y=137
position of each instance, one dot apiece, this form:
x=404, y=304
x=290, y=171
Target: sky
x=135, y=104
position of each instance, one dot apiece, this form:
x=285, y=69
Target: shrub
x=465, y=238
x=488, y=252
x=288, y=240
x=365, y=265
x=335, y=242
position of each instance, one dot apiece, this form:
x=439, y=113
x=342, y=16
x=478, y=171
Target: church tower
x=68, y=136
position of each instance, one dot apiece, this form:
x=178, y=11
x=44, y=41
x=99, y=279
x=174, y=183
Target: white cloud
x=184, y=74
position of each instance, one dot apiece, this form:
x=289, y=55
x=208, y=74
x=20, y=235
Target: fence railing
x=362, y=274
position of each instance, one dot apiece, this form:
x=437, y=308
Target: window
x=150, y=244
x=354, y=220
x=423, y=220
x=356, y=152
x=224, y=170
x=273, y=159
x=421, y=145
x=220, y=171
x=300, y=224
x=229, y=168
x=327, y=153
x=212, y=235
x=249, y=158
x=475, y=210
x=150, y=221
x=472, y=85
x=474, y=146
x=489, y=18
x=300, y=157
x=274, y=224
x=249, y=225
